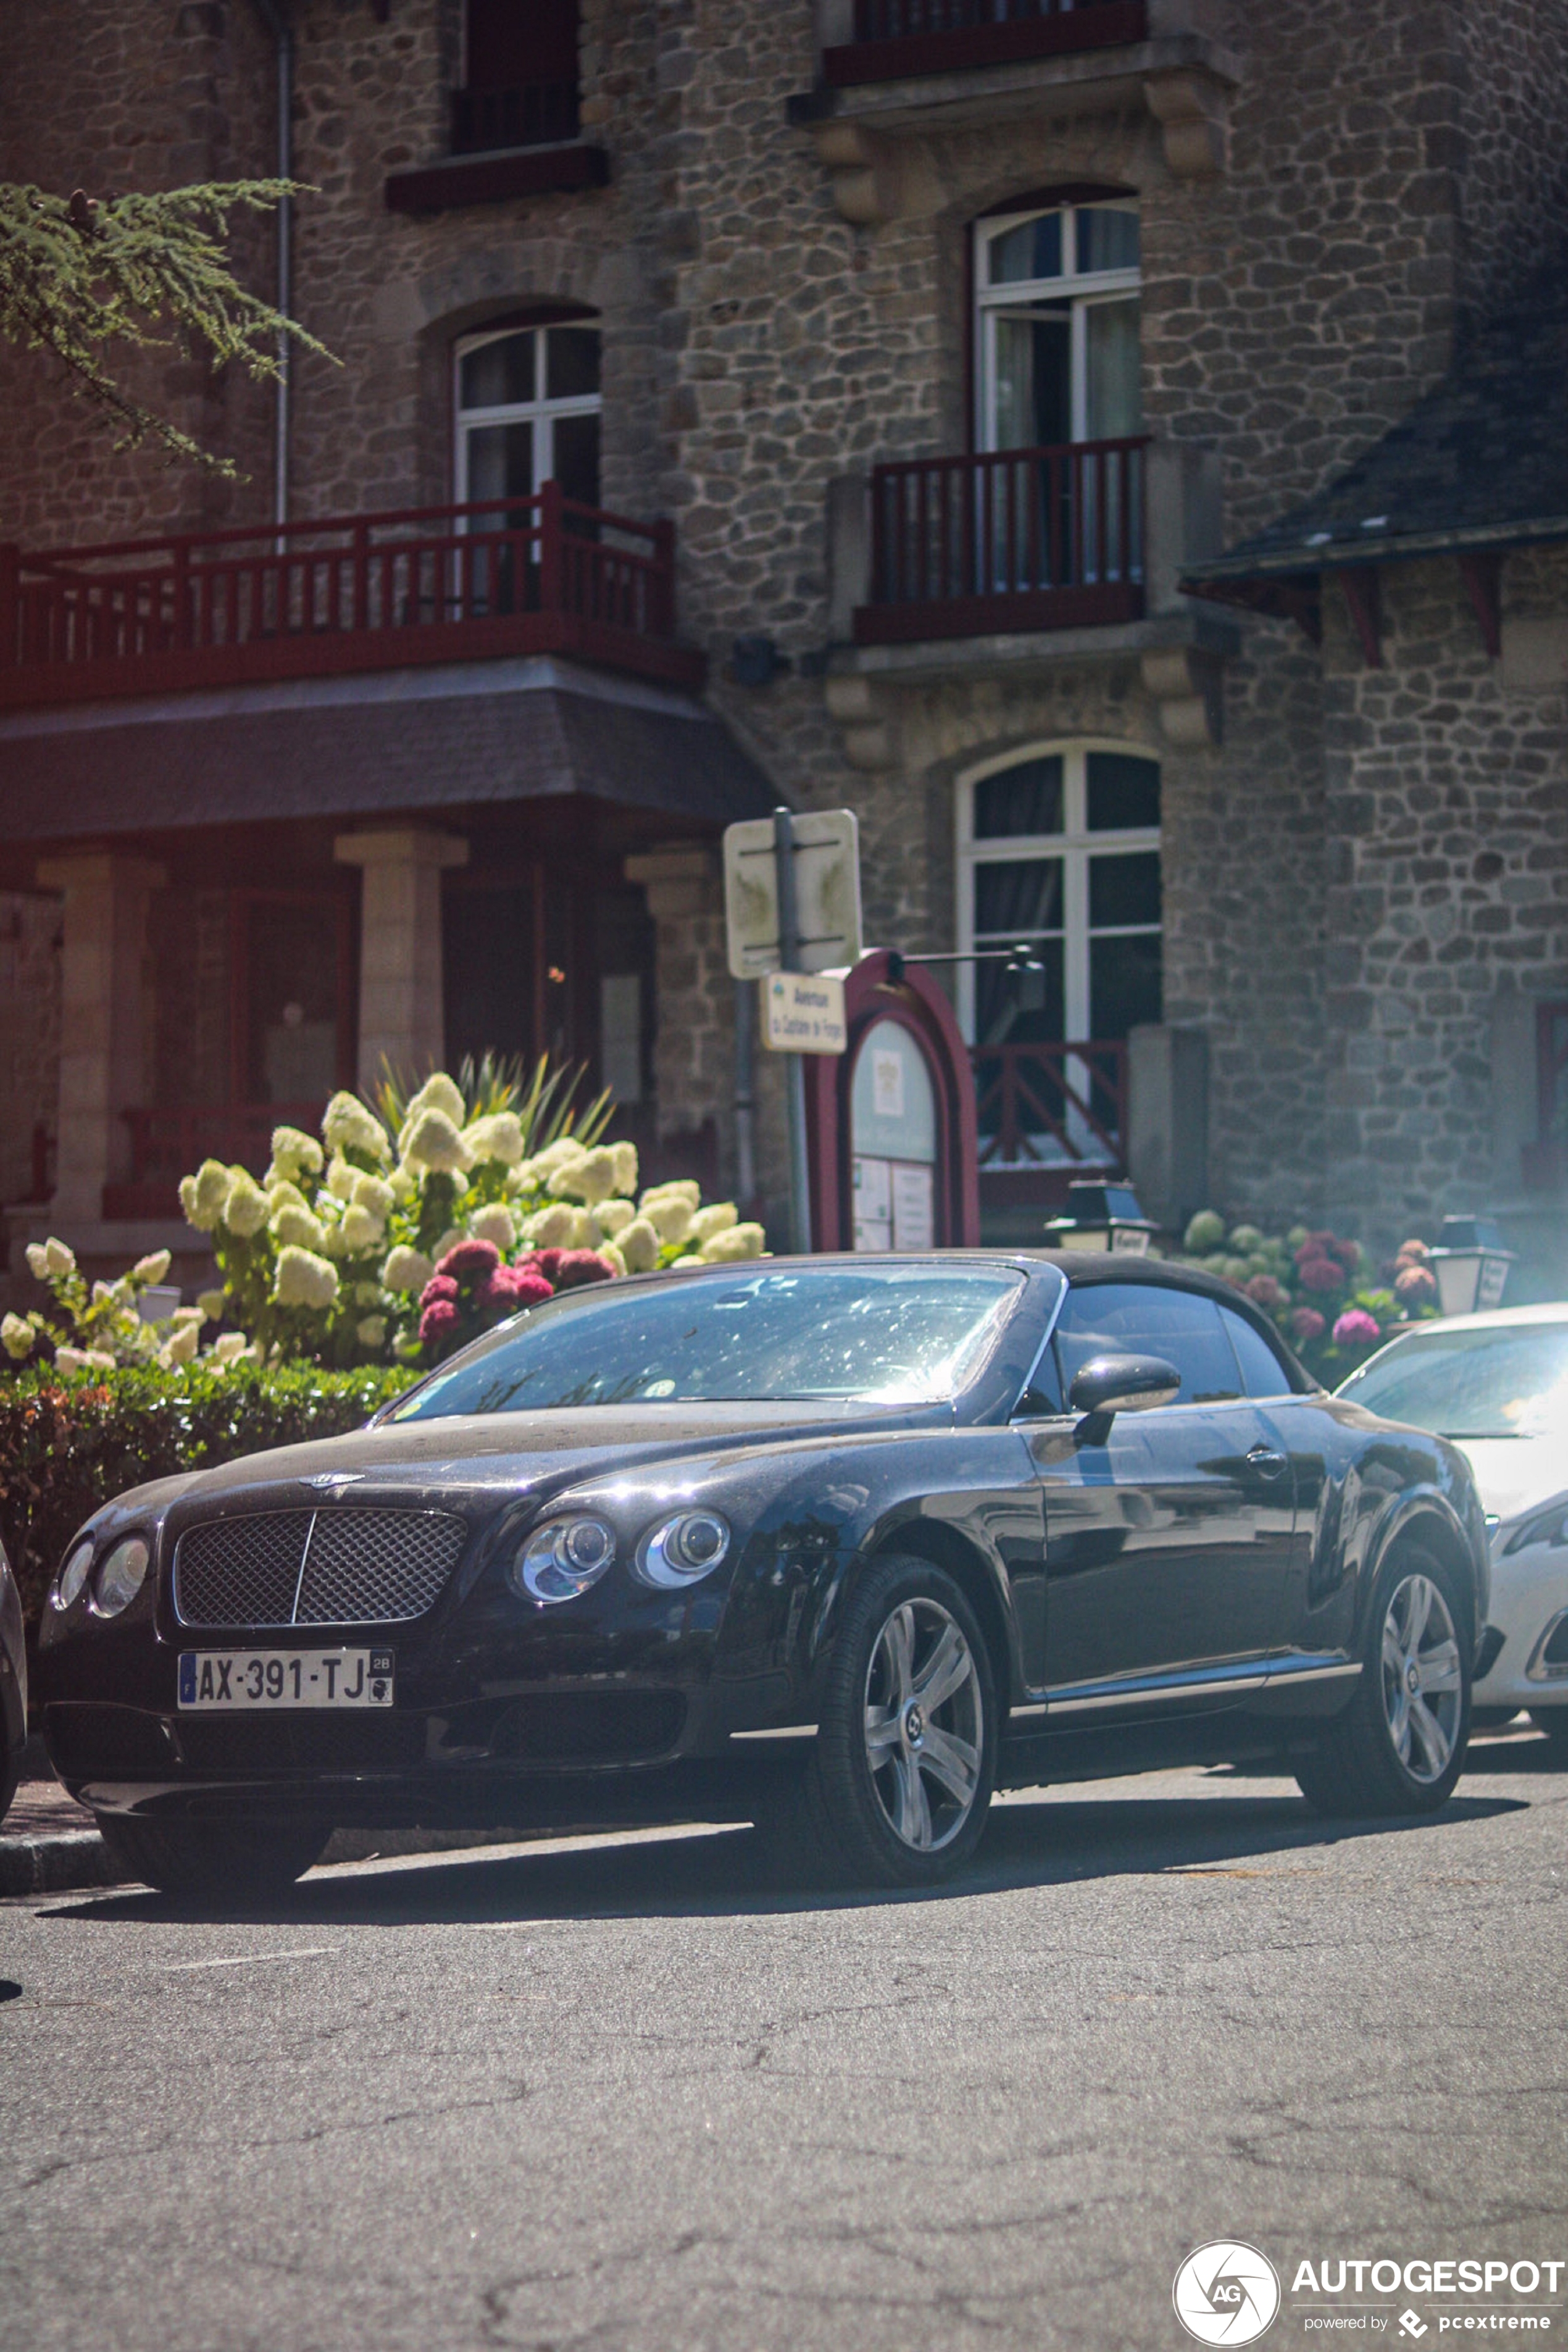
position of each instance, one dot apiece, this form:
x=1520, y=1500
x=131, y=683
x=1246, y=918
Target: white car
x=1497, y=1386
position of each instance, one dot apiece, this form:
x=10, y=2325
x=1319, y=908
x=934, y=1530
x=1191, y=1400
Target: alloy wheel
x=1423, y=1686
x=925, y=1727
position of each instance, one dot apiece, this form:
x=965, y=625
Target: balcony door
x=1058, y=364
x=520, y=75
x=1059, y=849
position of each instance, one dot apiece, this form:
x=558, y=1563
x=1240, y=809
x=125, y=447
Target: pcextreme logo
x=1227, y=2293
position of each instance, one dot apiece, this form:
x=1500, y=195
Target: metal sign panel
x=804, y=1013
x=827, y=893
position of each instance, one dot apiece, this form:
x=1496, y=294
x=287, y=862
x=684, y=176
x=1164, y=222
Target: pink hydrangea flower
x=578, y=1267
x=1322, y=1273
x=470, y=1259
x=1306, y=1323
x=440, y=1286
x=1265, y=1292
x=1414, y=1286
x=1355, y=1327
x=439, y=1321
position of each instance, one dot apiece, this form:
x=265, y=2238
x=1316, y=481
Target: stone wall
x=29, y=1032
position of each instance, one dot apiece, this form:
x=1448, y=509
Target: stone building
x=889, y=402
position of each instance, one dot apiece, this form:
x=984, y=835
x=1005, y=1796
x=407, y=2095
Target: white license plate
x=276, y=1679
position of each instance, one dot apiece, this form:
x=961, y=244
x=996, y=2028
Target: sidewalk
x=49, y=1844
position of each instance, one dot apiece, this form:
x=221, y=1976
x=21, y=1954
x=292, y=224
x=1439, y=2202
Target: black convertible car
x=838, y=1545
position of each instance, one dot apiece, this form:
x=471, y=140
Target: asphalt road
x=599, y=2097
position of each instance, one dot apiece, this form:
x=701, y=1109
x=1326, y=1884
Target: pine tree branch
x=142, y=271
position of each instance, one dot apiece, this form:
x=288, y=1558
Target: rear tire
x=238, y=1861
x=898, y=1785
x=1399, y=1746
x=1554, y=1721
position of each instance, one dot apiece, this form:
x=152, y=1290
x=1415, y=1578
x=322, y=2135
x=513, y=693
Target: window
x=527, y=412
x=1127, y=1318
x=520, y=75
x=1056, y=327
x=1262, y=1373
x=1061, y=848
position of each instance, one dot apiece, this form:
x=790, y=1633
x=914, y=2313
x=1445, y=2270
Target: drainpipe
x=277, y=22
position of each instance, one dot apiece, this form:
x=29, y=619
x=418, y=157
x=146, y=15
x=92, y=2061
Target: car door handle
x=1266, y=1463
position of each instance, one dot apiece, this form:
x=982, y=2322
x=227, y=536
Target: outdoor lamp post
x=1471, y=1265
x=1102, y=1217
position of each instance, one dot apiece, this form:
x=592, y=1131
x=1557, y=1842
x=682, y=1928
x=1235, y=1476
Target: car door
x=1168, y=1546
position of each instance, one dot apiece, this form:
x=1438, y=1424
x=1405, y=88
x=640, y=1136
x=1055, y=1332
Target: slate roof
x=1482, y=462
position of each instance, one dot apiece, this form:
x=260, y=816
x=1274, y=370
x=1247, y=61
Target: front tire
x=898, y=1784
x=238, y=1862
x=1554, y=1721
x=1399, y=1746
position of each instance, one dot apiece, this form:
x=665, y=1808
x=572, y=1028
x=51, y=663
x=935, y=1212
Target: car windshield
x=888, y=1335
x=1509, y=1381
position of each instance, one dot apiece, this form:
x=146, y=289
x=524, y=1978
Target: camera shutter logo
x=1226, y=2293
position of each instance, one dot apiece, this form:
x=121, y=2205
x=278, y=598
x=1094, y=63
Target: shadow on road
x=1031, y=1842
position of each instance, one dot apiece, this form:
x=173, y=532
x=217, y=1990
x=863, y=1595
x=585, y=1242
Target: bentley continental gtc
x=838, y=1546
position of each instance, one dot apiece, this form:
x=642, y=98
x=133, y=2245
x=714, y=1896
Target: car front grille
x=331, y=1566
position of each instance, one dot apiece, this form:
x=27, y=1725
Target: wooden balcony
x=1019, y=539
x=1048, y=1114
x=895, y=39
x=357, y=592
x=535, y=114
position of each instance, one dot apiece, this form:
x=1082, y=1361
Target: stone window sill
x=499, y=177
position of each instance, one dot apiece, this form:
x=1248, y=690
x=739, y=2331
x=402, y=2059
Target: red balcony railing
x=1018, y=539
x=168, y=1144
x=899, y=37
x=535, y=114
x=1044, y=1108
x=535, y=574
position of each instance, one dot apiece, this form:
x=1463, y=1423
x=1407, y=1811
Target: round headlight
x=562, y=1559
x=683, y=1548
x=66, y=1586
x=121, y=1577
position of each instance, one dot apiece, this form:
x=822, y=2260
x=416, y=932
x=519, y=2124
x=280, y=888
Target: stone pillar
x=106, y=1021
x=402, y=1018
x=1167, y=1120
x=694, y=1043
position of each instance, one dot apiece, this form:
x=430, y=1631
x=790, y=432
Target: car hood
x=516, y=1453
x=1515, y=1474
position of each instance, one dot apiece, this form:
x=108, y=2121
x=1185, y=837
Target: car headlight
x=121, y=1577
x=1548, y=1527
x=682, y=1549
x=66, y=1586
x=562, y=1559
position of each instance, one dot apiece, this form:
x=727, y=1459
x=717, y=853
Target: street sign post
x=826, y=863
x=792, y=910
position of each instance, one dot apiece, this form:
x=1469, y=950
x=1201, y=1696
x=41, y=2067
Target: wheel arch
x=1427, y=1520
x=947, y=1548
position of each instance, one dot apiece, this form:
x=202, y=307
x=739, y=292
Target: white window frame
x=540, y=412
x=1075, y=846
x=1076, y=294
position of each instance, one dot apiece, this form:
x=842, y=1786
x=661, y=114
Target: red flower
x=528, y=1288
x=1348, y=1253
x=511, y=1287
x=1322, y=1273
x=471, y=1259
x=1265, y=1292
x=548, y=1262
x=1306, y=1323
x=439, y=1321
x=1414, y=1286
x=440, y=1286
x=577, y=1266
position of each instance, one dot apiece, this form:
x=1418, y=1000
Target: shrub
x=71, y=1442
x=1314, y=1285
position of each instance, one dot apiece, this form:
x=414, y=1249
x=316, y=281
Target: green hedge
x=68, y=1445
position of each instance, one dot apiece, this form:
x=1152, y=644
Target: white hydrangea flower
x=295, y=1153
x=680, y=1188
x=203, y=1195
x=551, y=1228
x=17, y=1337
x=735, y=1243
x=626, y=1168
x=559, y=1154
x=638, y=1245
x=228, y=1347
x=71, y=1360
x=432, y=1141
x=38, y=1258
x=407, y=1270
x=686, y=1264
x=448, y=1240
x=590, y=1179
x=303, y=1279
x=361, y=1230
x=611, y=1254
x=245, y=1210
x=714, y=1219
x=283, y=1193
x=180, y=1346
x=494, y=1224
x=437, y=1093
x=375, y=1193
x=613, y=1216
x=405, y=1183
x=670, y=1216
x=349, y=1125
x=371, y=1331
x=340, y=1178
x=104, y=1294
x=152, y=1268
x=498, y=1138
x=213, y=1304
x=585, y=1232
x=196, y=1315
x=367, y=1294
x=59, y=1257
x=295, y=1227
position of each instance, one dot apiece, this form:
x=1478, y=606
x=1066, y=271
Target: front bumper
x=1529, y=1599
